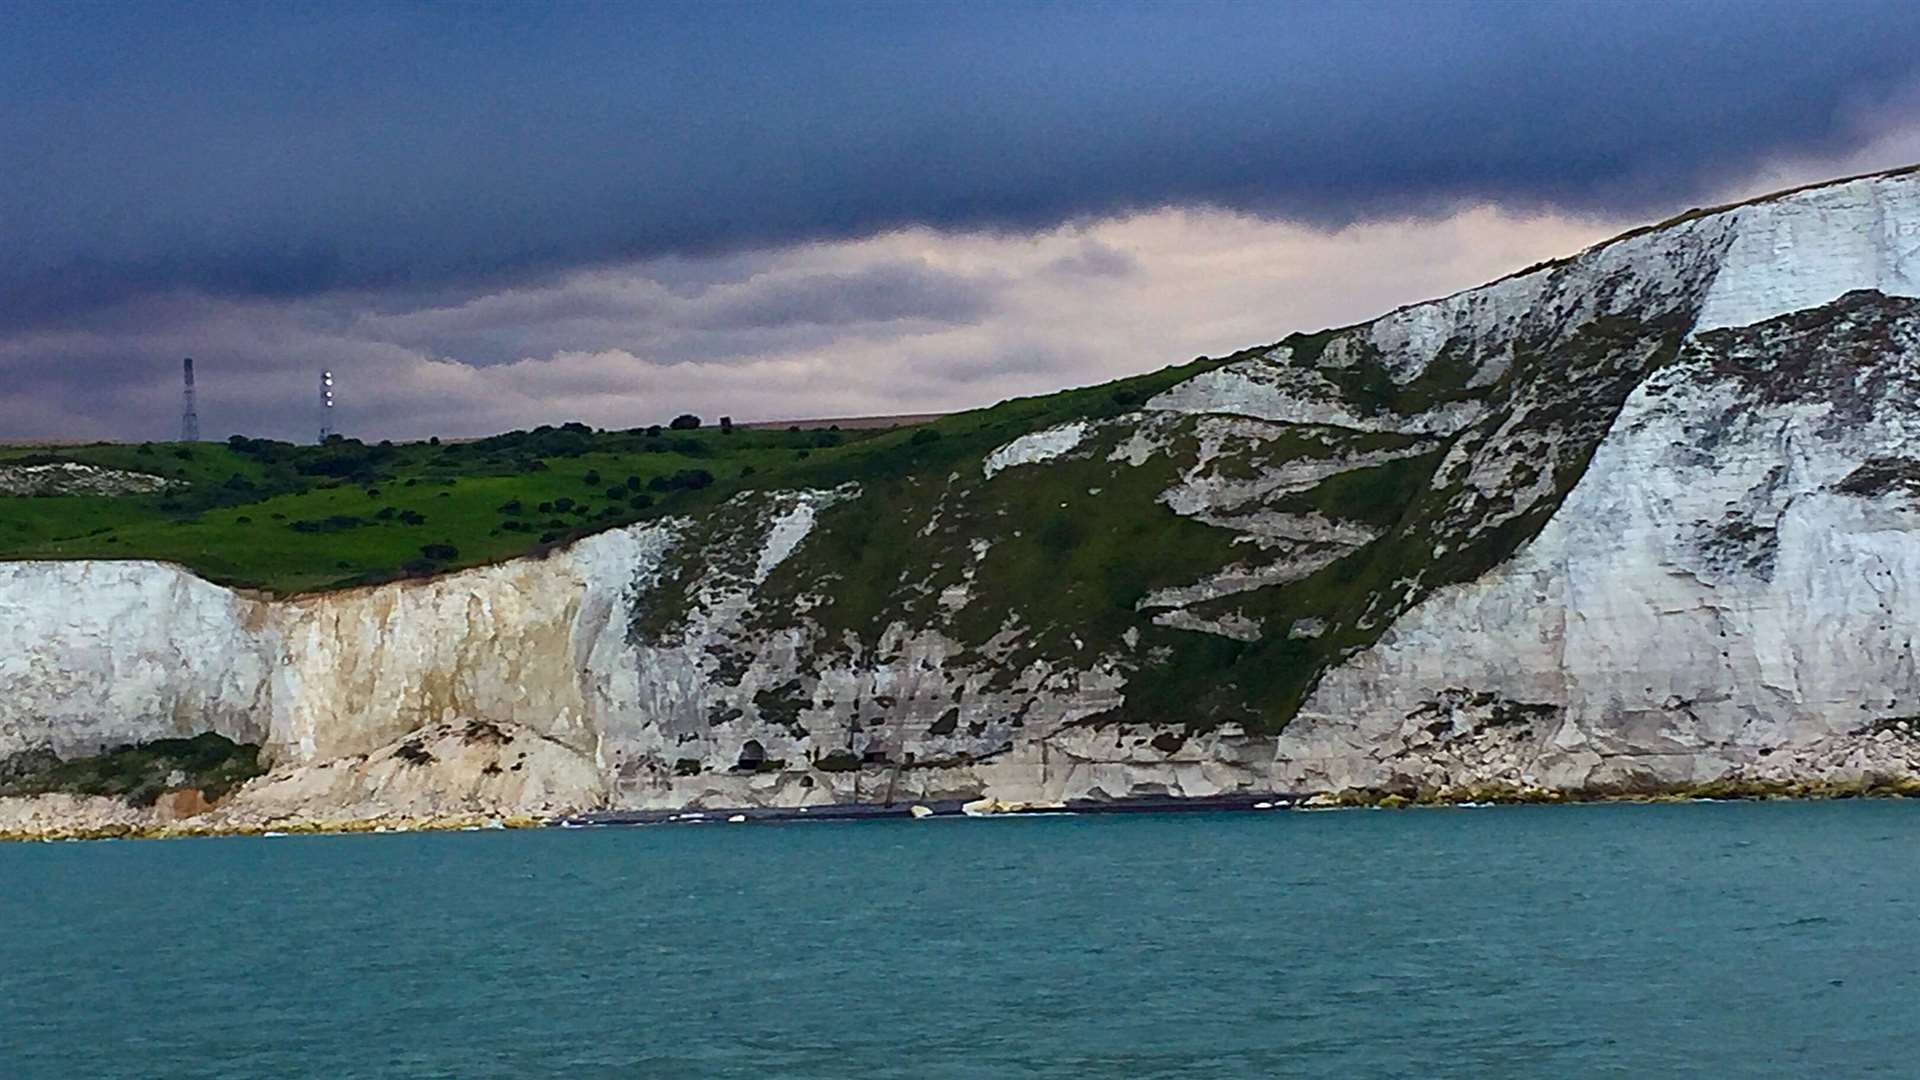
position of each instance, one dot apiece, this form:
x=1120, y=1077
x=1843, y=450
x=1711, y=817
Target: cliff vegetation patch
x=138, y=773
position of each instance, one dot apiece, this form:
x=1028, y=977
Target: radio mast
x=326, y=405
x=189, y=419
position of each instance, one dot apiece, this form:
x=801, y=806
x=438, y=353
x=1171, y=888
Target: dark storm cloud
x=280, y=151
x=884, y=293
x=724, y=316
x=1095, y=259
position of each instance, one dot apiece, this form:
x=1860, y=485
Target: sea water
x=1771, y=939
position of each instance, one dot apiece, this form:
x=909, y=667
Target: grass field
x=286, y=518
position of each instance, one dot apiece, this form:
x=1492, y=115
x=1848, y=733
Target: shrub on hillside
x=336, y=523
x=684, y=480
x=345, y=459
x=265, y=450
x=567, y=440
x=685, y=422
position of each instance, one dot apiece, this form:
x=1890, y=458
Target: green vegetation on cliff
x=290, y=518
x=1218, y=564
x=139, y=774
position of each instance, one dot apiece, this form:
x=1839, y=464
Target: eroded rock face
x=446, y=769
x=61, y=814
x=94, y=654
x=1733, y=575
x=1642, y=518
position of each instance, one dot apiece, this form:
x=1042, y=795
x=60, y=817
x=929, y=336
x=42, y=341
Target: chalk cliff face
x=1642, y=518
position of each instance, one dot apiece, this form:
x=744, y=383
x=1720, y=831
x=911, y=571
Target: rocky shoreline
x=80, y=817
x=46, y=818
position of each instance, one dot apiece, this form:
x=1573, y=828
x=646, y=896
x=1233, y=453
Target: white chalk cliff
x=1646, y=517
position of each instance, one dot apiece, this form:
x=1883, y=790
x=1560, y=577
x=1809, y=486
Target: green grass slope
x=286, y=519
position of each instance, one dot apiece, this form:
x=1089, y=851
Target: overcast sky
x=494, y=216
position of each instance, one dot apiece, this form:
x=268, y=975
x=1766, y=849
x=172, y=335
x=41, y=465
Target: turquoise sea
x=1702, y=940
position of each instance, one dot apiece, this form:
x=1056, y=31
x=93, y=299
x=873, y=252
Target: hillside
x=1638, y=520
x=287, y=518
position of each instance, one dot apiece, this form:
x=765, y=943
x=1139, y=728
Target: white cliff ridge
x=1642, y=519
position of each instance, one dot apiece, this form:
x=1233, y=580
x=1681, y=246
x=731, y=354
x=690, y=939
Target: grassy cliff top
x=288, y=518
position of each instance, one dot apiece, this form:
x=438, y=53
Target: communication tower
x=326, y=405
x=189, y=419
